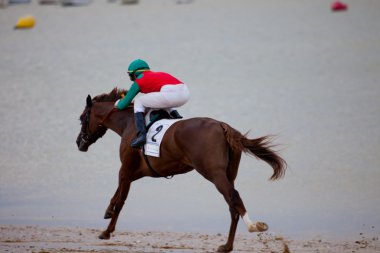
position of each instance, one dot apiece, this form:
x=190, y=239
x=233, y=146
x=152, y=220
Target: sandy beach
x=292, y=68
x=43, y=240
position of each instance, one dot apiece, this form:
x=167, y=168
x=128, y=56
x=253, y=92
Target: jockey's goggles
x=132, y=73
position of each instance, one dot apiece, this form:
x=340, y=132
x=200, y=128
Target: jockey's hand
x=117, y=101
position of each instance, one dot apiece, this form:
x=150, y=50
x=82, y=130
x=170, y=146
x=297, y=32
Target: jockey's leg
x=177, y=95
x=149, y=100
x=155, y=100
x=169, y=97
x=140, y=140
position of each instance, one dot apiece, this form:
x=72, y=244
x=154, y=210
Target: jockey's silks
x=149, y=81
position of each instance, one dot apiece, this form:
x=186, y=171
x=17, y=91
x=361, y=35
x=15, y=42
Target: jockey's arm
x=131, y=94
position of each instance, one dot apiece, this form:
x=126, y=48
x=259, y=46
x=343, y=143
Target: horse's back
x=200, y=140
x=206, y=131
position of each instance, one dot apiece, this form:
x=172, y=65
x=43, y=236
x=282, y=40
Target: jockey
x=159, y=90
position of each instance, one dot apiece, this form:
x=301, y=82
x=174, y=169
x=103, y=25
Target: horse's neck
x=120, y=121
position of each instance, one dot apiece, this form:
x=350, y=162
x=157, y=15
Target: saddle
x=155, y=115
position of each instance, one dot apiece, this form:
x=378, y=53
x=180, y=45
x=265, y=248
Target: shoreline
x=17, y=238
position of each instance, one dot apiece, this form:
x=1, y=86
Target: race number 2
x=158, y=129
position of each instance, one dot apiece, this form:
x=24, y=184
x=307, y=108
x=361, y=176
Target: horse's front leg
x=111, y=207
x=123, y=190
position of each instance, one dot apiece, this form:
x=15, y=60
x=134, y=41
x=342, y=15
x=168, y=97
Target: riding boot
x=175, y=115
x=140, y=140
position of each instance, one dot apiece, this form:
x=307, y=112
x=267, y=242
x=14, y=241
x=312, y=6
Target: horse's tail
x=261, y=148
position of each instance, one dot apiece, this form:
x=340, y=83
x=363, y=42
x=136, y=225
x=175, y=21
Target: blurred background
x=293, y=68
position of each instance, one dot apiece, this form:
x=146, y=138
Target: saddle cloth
x=155, y=135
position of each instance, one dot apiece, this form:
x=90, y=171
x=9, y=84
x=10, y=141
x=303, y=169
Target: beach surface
x=43, y=240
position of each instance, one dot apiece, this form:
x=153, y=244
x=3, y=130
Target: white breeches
x=169, y=97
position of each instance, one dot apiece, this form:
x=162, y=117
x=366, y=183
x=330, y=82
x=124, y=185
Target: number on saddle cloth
x=158, y=122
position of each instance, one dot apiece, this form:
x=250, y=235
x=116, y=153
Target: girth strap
x=155, y=173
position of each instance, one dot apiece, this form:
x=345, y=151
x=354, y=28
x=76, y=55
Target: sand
x=44, y=239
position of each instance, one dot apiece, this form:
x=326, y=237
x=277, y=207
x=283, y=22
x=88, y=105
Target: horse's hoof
x=108, y=214
x=224, y=248
x=261, y=226
x=105, y=235
x=258, y=227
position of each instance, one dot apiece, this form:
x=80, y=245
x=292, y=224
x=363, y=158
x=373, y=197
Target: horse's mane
x=114, y=95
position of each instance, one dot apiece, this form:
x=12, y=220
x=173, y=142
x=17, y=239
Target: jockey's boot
x=175, y=115
x=140, y=140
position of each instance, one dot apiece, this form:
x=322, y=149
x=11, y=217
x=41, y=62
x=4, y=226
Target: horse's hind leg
x=237, y=209
x=231, y=236
x=232, y=171
x=236, y=206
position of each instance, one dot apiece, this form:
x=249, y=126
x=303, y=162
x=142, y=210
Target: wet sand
x=54, y=240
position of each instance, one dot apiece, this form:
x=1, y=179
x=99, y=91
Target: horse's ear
x=89, y=101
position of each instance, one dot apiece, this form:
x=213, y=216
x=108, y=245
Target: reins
x=88, y=136
x=107, y=115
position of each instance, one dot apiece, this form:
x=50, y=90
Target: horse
x=211, y=147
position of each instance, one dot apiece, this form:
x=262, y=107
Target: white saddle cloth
x=155, y=135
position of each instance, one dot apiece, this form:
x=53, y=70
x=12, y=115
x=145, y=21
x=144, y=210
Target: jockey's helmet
x=137, y=66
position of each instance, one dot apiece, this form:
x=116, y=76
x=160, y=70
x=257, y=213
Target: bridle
x=88, y=138
x=85, y=134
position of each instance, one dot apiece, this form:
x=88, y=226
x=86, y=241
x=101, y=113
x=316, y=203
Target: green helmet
x=137, y=65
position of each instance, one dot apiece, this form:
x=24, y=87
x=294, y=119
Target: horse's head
x=91, y=130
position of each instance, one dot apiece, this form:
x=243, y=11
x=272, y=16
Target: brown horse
x=211, y=147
